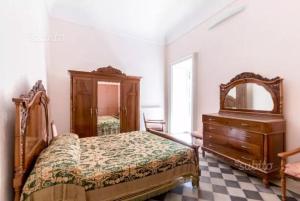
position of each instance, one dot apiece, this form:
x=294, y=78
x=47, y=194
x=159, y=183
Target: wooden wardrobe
x=84, y=95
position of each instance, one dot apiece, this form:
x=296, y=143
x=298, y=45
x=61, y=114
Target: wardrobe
x=104, y=101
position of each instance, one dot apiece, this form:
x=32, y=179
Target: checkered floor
x=220, y=182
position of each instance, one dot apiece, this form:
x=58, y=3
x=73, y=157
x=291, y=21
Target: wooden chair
x=157, y=125
x=291, y=170
x=196, y=136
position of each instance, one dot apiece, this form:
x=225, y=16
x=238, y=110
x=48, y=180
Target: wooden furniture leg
x=266, y=181
x=283, y=179
x=285, y=170
x=17, y=194
x=195, y=182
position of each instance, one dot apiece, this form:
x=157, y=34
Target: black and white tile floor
x=220, y=182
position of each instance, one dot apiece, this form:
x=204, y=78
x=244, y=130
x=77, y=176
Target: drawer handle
x=210, y=136
x=245, y=158
x=211, y=128
x=211, y=119
x=245, y=147
x=210, y=145
x=244, y=124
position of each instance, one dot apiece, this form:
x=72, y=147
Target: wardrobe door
x=82, y=106
x=130, y=119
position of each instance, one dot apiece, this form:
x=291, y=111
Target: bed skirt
x=139, y=189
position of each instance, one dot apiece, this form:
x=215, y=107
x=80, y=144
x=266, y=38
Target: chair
x=196, y=136
x=157, y=125
x=291, y=170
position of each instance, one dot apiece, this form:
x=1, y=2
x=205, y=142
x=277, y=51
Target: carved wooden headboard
x=31, y=133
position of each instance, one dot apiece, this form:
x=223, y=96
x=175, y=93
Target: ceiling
x=153, y=20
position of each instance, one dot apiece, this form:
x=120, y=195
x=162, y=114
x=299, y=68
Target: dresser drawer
x=232, y=153
x=254, y=150
x=236, y=133
x=214, y=138
x=236, y=123
x=244, y=147
x=215, y=128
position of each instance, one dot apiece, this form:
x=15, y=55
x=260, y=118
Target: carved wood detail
x=246, y=75
x=36, y=97
x=26, y=99
x=109, y=70
x=35, y=89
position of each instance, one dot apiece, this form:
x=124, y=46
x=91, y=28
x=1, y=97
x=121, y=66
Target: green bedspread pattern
x=57, y=164
x=102, y=161
x=107, y=125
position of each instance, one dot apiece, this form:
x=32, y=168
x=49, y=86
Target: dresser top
x=249, y=117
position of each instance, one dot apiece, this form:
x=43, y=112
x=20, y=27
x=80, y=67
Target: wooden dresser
x=247, y=139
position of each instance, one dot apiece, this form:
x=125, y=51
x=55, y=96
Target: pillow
x=65, y=147
x=57, y=164
x=67, y=135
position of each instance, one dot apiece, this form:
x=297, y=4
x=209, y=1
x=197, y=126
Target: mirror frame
x=273, y=86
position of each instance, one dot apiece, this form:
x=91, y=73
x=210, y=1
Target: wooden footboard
x=195, y=179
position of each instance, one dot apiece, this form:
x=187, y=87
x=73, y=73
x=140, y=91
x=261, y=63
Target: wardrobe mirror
x=249, y=96
x=108, y=107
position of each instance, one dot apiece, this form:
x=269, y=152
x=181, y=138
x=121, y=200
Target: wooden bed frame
x=32, y=136
x=31, y=133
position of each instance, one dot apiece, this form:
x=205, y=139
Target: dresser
x=248, y=134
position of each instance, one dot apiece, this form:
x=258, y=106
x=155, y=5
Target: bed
x=125, y=166
x=107, y=125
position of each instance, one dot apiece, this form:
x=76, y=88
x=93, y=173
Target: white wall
x=84, y=48
x=22, y=62
x=264, y=39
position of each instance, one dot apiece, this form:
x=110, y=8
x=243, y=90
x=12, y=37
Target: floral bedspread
x=57, y=164
x=102, y=161
x=107, y=125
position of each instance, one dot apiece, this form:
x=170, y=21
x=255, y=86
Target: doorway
x=181, y=95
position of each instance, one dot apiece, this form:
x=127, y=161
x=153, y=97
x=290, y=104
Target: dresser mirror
x=250, y=92
x=249, y=96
